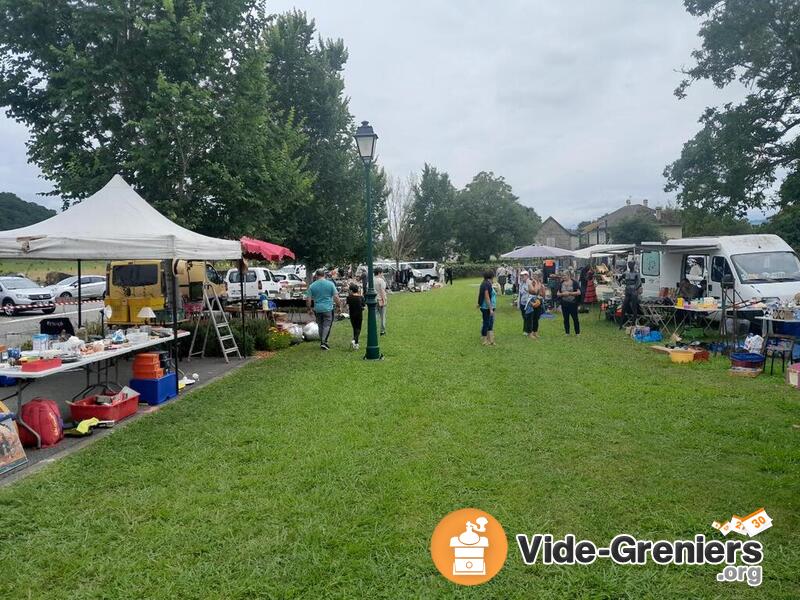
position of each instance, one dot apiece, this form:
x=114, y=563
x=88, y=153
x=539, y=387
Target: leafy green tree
x=432, y=214
x=744, y=149
x=489, y=220
x=15, y=212
x=169, y=93
x=785, y=223
x=699, y=222
x=306, y=76
x=635, y=230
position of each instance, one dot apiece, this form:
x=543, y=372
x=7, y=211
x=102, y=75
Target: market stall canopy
x=257, y=249
x=534, y=251
x=602, y=250
x=115, y=223
x=687, y=246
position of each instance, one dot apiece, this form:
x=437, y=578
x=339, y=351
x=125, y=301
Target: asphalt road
x=26, y=324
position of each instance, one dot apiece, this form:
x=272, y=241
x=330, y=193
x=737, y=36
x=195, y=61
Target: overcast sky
x=570, y=101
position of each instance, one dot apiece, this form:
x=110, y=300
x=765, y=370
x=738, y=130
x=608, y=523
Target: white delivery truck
x=755, y=266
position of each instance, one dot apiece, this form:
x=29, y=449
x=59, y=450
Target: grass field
x=316, y=475
x=38, y=269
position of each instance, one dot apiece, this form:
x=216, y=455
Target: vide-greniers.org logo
x=625, y=549
x=469, y=548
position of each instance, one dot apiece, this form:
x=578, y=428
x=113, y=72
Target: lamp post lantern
x=366, y=139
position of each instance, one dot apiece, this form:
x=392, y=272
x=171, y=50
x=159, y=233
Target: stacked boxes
x=150, y=379
x=147, y=365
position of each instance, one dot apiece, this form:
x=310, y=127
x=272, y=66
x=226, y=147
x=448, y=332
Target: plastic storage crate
x=747, y=360
x=86, y=408
x=793, y=375
x=155, y=391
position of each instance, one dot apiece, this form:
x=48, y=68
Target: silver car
x=92, y=286
x=19, y=294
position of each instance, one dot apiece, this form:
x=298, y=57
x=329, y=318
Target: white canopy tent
x=537, y=251
x=115, y=223
x=601, y=250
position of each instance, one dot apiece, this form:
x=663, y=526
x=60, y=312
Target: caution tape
x=50, y=304
x=75, y=301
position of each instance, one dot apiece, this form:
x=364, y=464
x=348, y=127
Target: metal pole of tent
x=242, y=274
x=80, y=297
x=175, y=292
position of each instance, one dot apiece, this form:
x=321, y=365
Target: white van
x=757, y=266
x=256, y=281
x=425, y=270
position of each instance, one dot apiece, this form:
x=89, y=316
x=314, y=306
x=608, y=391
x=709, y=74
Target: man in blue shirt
x=323, y=294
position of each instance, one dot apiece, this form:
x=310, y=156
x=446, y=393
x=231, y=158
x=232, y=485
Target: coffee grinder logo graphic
x=469, y=546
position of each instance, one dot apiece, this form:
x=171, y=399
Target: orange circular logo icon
x=469, y=546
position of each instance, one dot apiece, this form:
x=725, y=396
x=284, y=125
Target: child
x=355, y=305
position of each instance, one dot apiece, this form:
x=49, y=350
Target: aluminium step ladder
x=212, y=306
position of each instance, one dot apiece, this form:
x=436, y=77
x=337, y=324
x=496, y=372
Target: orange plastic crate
x=147, y=373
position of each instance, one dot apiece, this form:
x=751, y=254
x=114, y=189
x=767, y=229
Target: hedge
x=461, y=270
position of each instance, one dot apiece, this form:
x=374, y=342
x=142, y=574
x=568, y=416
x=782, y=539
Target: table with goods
x=154, y=376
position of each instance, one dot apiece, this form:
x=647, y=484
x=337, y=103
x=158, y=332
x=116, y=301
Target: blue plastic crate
x=7, y=381
x=155, y=391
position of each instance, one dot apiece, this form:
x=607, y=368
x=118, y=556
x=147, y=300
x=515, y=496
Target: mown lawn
x=38, y=269
x=316, y=475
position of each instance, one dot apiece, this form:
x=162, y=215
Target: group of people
x=322, y=300
x=531, y=297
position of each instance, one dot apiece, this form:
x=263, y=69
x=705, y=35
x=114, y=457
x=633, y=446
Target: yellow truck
x=134, y=284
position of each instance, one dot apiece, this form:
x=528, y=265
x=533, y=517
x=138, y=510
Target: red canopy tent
x=257, y=249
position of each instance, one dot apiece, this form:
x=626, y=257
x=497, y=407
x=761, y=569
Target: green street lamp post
x=366, y=139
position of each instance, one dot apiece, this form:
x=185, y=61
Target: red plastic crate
x=85, y=408
x=34, y=366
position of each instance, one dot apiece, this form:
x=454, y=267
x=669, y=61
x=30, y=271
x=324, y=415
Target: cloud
x=570, y=101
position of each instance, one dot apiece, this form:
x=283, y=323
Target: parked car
x=256, y=281
x=299, y=270
x=425, y=271
x=92, y=286
x=289, y=281
x=20, y=294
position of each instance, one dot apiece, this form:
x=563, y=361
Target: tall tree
x=489, y=219
x=401, y=237
x=785, y=223
x=743, y=150
x=635, y=230
x=697, y=222
x=306, y=75
x=150, y=89
x=432, y=213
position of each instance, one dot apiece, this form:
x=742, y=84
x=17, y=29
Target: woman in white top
x=523, y=296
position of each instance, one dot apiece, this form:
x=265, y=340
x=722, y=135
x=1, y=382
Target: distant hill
x=15, y=212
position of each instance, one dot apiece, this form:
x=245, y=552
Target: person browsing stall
x=321, y=298
x=633, y=288
x=537, y=293
x=381, y=297
x=355, y=306
x=487, y=301
x=569, y=293
x=522, y=299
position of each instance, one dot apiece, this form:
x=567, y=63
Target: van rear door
x=650, y=270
